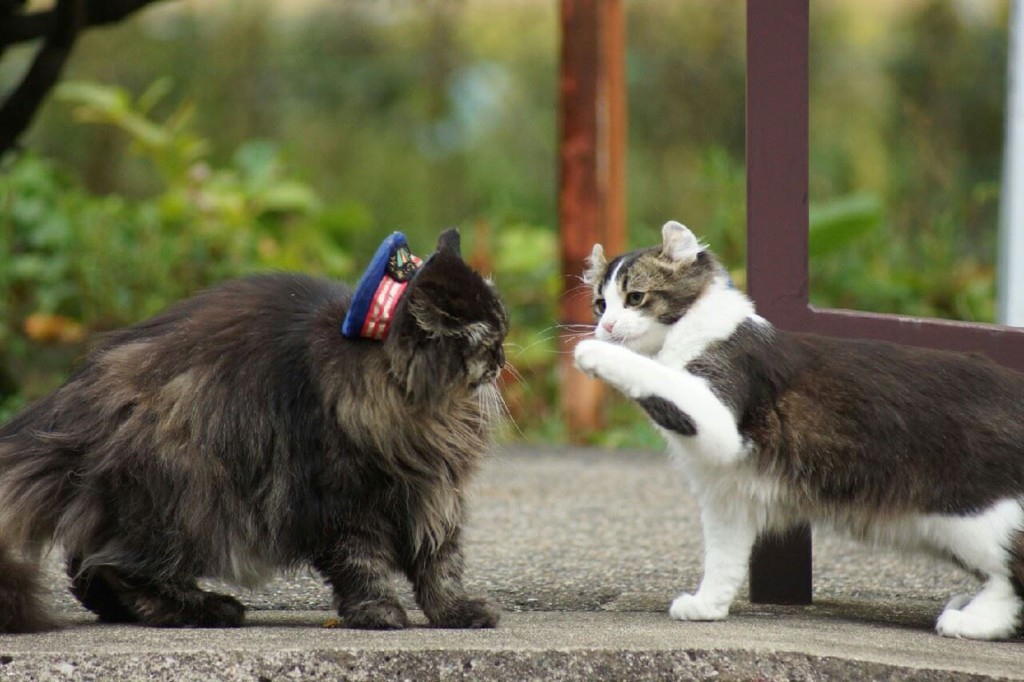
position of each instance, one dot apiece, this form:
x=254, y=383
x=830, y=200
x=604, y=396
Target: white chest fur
x=713, y=318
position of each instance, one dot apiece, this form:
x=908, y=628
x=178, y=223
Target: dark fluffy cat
x=240, y=432
x=918, y=449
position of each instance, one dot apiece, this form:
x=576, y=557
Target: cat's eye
x=599, y=306
x=635, y=298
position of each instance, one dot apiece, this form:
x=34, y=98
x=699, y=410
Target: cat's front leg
x=436, y=575
x=359, y=570
x=729, y=536
x=674, y=399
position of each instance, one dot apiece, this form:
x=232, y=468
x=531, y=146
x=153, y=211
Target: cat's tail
x=21, y=596
x=35, y=482
x=26, y=508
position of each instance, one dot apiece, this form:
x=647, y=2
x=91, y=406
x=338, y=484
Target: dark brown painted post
x=591, y=185
x=777, y=269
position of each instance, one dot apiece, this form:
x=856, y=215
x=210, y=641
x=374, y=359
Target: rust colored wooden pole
x=591, y=184
x=777, y=267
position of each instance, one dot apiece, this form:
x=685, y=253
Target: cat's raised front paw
x=590, y=355
x=690, y=607
x=610, y=363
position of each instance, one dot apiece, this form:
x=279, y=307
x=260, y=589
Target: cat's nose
x=608, y=326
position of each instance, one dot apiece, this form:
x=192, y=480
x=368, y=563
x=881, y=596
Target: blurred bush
x=75, y=262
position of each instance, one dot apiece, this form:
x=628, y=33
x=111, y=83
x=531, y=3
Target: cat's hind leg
x=117, y=596
x=185, y=605
x=98, y=593
x=988, y=542
x=674, y=399
x=994, y=613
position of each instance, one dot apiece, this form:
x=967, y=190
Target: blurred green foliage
x=73, y=259
x=153, y=174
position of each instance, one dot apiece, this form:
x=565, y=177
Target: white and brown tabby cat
x=916, y=449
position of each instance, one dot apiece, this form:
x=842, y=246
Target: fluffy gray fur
x=239, y=432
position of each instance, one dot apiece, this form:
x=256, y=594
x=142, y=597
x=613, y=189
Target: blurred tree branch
x=59, y=28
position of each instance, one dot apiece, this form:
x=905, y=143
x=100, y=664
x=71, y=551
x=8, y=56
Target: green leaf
x=153, y=94
x=289, y=197
x=841, y=222
x=96, y=95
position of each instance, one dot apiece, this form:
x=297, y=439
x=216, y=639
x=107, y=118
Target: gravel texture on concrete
x=591, y=546
x=561, y=645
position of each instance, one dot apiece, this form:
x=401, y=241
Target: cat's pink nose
x=608, y=326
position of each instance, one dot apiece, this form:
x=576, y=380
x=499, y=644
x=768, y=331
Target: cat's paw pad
x=470, y=613
x=375, y=615
x=967, y=624
x=690, y=607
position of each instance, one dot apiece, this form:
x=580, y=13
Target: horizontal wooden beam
x=1003, y=344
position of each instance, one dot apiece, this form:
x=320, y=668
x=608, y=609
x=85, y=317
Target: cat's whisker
x=551, y=328
x=577, y=336
x=575, y=331
x=501, y=405
x=536, y=343
x=583, y=289
x=481, y=406
x=486, y=402
x=574, y=336
x=555, y=351
x=516, y=374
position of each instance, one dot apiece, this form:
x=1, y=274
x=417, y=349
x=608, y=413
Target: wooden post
x=591, y=184
x=777, y=268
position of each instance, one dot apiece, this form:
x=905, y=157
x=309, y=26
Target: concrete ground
x=585, y=550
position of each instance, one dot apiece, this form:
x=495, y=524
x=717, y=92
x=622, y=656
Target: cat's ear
x=421, y=369
x=596, y=264
x=678, y=243
x=451, y=242
x=424, y=371
x=431, y=317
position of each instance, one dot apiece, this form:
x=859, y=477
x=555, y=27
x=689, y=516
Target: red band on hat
x=382, y=310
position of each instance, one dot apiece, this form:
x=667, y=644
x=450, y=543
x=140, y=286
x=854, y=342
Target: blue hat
x=380, y=289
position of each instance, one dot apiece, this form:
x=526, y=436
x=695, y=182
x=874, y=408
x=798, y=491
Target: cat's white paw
x=691, y=607
x=971, y=624
x=606, y=361
x=589, y=355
